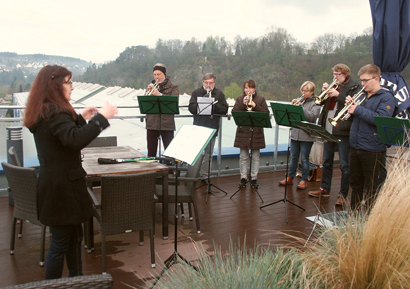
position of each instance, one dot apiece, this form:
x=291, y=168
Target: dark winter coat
x=167, y=87
x=219, y=108
x=343, y=127
x=363, y=133
x=243, y=137
x=62, y=193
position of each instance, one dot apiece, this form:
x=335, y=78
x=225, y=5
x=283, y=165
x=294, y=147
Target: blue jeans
x=65, y=241
x=301, y=148
x=328, y=155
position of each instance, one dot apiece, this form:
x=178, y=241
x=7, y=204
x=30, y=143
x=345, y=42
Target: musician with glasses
x=154, y=123
x=301, y=143
x=367, y=152
x=343, y=86
x=220, y=107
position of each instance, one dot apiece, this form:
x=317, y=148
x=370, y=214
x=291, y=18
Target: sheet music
x=189, y=143
x=205, y=105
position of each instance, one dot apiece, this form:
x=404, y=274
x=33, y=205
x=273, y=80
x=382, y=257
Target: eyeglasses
x=209, y=82
x=367, y=80
x=70, y=83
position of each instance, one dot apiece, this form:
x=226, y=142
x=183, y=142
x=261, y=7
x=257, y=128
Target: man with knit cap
x=163, y=124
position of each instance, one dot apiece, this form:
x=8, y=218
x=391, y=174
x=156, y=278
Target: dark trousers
x=65, y=242
x=366, y=176
x=152, y=140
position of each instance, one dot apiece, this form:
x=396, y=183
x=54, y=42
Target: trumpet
x=209, y=92
x=300, y=100
x=152, y=88
x=249, y=103
x=343, y=114
x=324, y=95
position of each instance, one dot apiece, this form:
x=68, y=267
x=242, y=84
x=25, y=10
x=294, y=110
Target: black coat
x=244, y=138
x=62, y=197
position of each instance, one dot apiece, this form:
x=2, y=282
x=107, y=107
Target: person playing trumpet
x=367, y=152
x=301, y=143
x=157, y=124
x=331, y=107
x=249, y=101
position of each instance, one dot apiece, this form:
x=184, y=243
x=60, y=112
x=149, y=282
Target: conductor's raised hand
x=88, y=112
x=108, y=110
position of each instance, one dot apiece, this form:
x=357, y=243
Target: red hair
x=47, y=96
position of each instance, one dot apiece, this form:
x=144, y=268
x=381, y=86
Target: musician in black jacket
x=343, y=86
x=220, y=107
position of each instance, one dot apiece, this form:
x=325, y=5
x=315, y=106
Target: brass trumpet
x=343, y=114
x=324, y=95
x=249, y=103
x=300, y=100
x=155, y=86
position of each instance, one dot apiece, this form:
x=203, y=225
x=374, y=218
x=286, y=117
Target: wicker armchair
x=103, y=281
x=127, y=205
x=186, y=191
x=23, y=183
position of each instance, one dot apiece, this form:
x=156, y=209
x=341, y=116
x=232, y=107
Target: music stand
x=205, y=107
x=158, y=104
x=251, y=119
x=393, y=131
x=283, y=114
x=185, y=147
x=317, y=131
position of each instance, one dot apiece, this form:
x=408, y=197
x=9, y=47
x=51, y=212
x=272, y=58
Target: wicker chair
x=186, y=191
x=103, y=281
x=23, y=183
x=127, y=205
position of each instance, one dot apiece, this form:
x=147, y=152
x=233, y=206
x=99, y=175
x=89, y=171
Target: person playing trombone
x=343, y=86
x=156, y=125
x=301, y=143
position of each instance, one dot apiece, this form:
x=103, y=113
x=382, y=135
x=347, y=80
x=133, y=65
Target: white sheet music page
x=189, y=143
x=205, y=105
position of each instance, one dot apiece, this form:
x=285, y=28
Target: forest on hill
x=275, y=61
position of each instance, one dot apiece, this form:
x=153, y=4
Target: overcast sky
x=99, y=31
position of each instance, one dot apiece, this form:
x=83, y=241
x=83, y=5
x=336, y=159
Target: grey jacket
x=311, y=111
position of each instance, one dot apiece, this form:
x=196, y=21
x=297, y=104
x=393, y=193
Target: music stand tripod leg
x=173, y=259
x=285, y=200
x=209, y=184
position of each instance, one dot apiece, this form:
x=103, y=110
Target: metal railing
x=227, y=117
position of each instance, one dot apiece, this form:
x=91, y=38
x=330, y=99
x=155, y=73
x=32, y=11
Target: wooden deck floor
x=222, y=219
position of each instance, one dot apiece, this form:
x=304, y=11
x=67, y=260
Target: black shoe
x=243, y=183
x=254, y=184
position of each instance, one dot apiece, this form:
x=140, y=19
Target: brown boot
x=283, y=183
x=302, y=185
x=319, y=193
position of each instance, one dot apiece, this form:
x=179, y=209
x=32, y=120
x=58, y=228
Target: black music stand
x=158, y=104
x=251, y=119
x=319, y=132
x=283, y=114
x=185, y=147
x=206, y=107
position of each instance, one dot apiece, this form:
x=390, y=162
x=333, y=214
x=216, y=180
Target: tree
x=233, y=90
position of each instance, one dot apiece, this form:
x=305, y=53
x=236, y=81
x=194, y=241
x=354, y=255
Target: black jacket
x=219, y=108
x=343, y=127
x=62, y=197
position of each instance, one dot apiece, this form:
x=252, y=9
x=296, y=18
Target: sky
x=98, y=31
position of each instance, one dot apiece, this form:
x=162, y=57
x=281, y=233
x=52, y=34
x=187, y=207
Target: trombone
x=152, y=88
x=343, y=114
x=324, y=95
